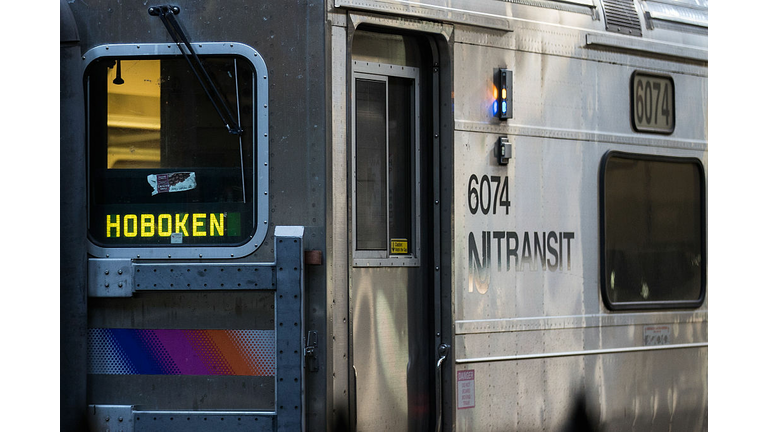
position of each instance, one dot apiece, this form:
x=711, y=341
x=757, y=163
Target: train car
x=393, y=215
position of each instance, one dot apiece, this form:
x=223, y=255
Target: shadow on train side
x=579, y=419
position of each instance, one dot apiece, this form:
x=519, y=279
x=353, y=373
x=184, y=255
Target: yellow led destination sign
x=164, y=225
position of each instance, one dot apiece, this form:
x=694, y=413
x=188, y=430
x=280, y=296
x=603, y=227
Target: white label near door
x=466, y=389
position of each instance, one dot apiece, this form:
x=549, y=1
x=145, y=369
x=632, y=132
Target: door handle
x=353, y=408
x=442, y=353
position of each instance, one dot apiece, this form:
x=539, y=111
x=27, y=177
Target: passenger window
x=164, y=170
x=653, y=232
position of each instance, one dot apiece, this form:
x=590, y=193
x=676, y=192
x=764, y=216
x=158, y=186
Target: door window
x=385, y=153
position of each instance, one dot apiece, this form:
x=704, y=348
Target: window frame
x=260, y=198
x=375, y=71
x=652, y=305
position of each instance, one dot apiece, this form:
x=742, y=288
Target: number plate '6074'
x=653, y=103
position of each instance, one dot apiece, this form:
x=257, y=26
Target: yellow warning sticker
x=398, y=246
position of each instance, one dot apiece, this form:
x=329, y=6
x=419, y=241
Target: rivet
x=120, y=272
x=106, y=284
x=119, y=284
x=106, y=272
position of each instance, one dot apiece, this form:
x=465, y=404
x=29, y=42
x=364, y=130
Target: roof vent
x=621, y=17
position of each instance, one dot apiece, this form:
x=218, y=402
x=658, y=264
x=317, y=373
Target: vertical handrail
x=442, y=351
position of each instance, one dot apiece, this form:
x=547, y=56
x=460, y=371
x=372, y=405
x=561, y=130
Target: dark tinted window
x=163, y=168
x=653, y=225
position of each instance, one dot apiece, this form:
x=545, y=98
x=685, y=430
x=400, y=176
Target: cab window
x=164, y=170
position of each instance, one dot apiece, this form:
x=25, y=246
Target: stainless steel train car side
x=444, y=215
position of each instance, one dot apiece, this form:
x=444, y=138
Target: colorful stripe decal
x=113, y=351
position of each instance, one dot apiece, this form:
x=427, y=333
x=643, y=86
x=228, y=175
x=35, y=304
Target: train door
x=392, y=310
x=188, y=327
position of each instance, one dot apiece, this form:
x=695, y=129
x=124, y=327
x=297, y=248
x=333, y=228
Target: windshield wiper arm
x=166, y=14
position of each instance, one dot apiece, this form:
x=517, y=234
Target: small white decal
x=656, y=335
x=171, y=182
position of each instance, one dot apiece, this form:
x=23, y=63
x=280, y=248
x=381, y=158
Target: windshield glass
x=163, y=167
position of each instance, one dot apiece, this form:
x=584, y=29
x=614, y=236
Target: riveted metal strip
x=199, y=276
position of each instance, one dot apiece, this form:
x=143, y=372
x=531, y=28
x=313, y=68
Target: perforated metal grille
x=621, y=17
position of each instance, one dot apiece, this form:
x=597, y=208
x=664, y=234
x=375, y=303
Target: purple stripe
x=183, y=355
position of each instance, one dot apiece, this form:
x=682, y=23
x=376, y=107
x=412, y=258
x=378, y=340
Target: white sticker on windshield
x=172, y=182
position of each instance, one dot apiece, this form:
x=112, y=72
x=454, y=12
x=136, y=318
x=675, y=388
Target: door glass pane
x=370, y=169
x=400, y=156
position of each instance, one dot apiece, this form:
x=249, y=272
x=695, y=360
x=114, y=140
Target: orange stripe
x=231, y=352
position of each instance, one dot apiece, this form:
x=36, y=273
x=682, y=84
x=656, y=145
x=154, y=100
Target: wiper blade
x=166, y=14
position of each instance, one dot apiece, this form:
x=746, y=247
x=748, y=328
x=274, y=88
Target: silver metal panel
x=197, y=276
x=577, y=321
x=381, y=339
x=337, y=282
x=515, y=345
x=110, y=277
x=192, y=421
x=261, y=181
x=690, y=14
x=483, y=13
x=125, y=418
x=553, y=186
x=568, y=98
x=535, y=331
x=540, y=38
x=106, y=418
x=648, y=47
x=659, y=390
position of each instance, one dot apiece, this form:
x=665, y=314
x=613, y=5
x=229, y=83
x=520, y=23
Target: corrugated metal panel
x=621, y=17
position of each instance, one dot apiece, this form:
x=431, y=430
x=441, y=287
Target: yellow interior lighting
x=133, y=115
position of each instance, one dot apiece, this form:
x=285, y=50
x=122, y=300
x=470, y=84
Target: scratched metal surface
x=538, y=336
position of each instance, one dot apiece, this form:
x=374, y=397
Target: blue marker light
x=495, y=107
x=504, y=107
